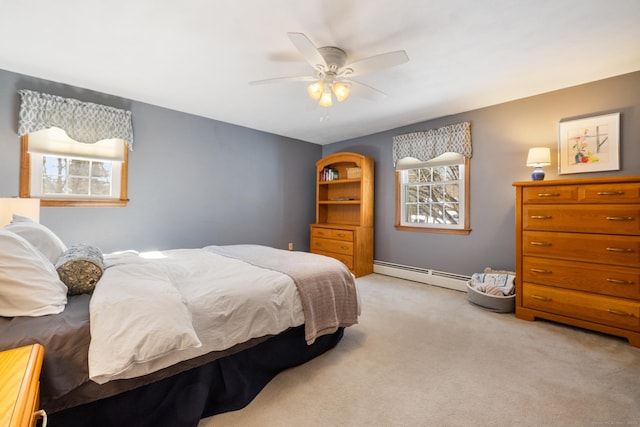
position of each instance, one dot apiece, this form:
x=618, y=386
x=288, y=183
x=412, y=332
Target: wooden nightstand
x=20, y=386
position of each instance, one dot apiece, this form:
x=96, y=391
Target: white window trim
x=462, y=227
x=114, y=151
x=36, y=179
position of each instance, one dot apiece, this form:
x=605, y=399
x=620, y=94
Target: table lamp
x=9, y=206
x=538, y=157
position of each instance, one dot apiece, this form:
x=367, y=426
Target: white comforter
x=209, y=302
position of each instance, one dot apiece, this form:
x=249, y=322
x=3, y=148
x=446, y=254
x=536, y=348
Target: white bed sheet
x=217, y=302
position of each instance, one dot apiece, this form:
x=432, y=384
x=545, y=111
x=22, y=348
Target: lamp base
x=537, y=174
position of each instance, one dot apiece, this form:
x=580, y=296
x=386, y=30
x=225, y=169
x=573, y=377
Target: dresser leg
x=634, y=340
x=524, y=314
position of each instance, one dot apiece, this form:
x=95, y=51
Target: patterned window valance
x=82, y=121
x=430, y=144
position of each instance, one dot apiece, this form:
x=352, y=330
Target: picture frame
x=591, y=144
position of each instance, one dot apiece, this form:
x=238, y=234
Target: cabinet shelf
x=344, y=212
x=339, y=181
x=339, y=202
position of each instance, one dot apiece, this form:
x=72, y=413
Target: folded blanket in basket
x=494, y=284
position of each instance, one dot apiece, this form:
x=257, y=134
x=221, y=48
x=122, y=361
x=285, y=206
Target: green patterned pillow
x=80, y=267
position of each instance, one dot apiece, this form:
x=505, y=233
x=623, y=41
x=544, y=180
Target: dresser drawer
x=596, y=248
x=610, y=193
x=581, y=305
x=329, y=245
x=601, y=279
x=331, y=233
x=345, y=259
x=550, y=194
x=609, y=219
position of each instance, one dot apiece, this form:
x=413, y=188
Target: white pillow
x=39, y=236
x=29, y=283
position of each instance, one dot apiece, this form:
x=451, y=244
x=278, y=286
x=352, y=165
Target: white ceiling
x=197, y=56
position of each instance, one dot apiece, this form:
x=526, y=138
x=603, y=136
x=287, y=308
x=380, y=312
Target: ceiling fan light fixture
x=326, y=99
x=341, y=91
x=315, y=90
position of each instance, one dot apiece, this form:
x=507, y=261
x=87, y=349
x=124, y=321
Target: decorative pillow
x=80, y=267
x=29, y=283
x=39, y=236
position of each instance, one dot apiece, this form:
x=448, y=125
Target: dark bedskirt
x=223, y=385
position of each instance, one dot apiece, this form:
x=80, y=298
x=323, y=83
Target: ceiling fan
x=332, y=74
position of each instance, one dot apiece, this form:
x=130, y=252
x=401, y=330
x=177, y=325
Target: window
x=433, y=196
x=63, y=172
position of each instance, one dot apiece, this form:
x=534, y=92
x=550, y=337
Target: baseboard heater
x=443, y=279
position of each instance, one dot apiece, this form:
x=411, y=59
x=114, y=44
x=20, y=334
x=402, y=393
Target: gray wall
x=501, y=137
x=192, y=181
x=195, y=181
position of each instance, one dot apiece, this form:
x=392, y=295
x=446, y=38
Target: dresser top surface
x=578, y=181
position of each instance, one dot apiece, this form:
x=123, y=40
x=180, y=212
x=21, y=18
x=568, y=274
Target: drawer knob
x=620, y=218
x=610, y=193
x=540, y=297
x=623, y=250
x=541, y=243
x=320, y=233
x=538, y=270
x=541, y=217
x=619, y=281
x=344, y=248
x=548, y=194
x=341, y=235
x=619, y=312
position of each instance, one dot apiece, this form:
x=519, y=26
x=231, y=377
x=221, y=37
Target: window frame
x=431, y=228
x=25, y=183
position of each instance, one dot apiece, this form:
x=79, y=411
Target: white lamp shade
x=9, y=206
x=539, y=156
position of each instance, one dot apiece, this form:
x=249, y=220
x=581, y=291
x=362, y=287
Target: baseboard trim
x=428, y=276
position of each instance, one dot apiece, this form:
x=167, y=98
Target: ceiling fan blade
x=285, y=80
x=364, y=91
x=378, y=62
x=307, y=49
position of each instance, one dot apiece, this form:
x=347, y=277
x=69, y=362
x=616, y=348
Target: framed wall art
x=591, y=144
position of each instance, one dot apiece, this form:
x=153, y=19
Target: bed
x=165, y=338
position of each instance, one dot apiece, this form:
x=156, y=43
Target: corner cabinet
x=578, y=253
x=344, y=211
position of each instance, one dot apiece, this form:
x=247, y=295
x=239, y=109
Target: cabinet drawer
x=329, y=245
x=610, y=193
x=330, y=233
x=345, y=259
x=600, y=249
x=601, y=279
x=581, y=305
x=614, y=219
x=550, y=194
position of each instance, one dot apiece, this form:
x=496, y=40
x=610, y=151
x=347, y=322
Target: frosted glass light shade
x=326, y=98
x=29, y=208
x=539, y=156
x=341, y=91
x=315, y=90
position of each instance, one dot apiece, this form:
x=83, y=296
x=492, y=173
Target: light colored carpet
x=423, y=356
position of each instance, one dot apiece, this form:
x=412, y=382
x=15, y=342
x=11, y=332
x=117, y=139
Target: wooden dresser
x=344, y=211
x=20, y=386
x=578, y=253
